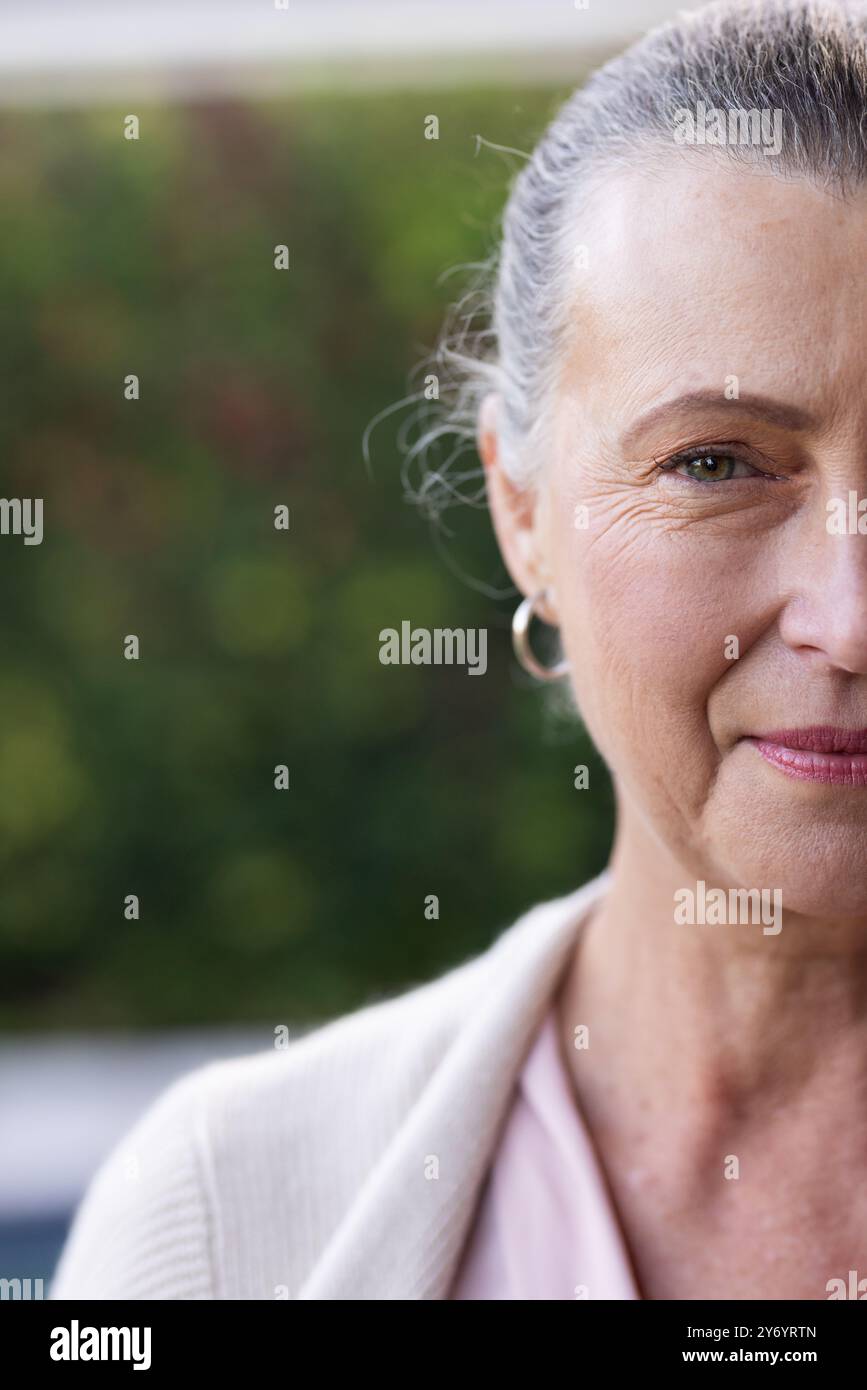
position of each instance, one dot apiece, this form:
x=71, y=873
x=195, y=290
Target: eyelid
x=739, y=452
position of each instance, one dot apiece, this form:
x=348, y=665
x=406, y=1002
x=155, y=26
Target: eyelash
x=709, y=451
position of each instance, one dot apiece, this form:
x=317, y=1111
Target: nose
x=826, y=617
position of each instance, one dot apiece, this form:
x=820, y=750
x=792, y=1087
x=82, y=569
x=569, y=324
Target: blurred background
x=259, y=125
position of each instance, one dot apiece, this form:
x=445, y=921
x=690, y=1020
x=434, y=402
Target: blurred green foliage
x=258, y=647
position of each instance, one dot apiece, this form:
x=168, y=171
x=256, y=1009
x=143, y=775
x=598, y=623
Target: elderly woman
x=655, y=1087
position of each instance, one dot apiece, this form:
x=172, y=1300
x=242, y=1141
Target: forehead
x=697, y=268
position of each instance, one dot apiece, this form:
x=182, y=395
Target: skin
x=710, y=1041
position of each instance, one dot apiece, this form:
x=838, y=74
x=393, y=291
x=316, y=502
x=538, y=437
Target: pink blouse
x=545, y=1227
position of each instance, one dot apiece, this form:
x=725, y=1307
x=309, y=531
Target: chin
x=816, y=862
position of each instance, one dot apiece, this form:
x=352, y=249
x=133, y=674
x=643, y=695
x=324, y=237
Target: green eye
x=709, y=464
x=707, y=468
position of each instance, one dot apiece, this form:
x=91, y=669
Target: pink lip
x=819, y=753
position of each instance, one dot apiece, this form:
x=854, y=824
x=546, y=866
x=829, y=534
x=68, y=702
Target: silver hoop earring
x=524, y=615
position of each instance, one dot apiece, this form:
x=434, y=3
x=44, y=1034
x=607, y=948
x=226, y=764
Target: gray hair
x=807, y=59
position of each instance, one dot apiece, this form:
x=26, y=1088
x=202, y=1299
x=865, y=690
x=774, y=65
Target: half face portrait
x=557, y=975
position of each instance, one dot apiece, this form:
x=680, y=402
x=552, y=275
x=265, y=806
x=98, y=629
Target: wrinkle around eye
x=632, y=517
x=633, y=512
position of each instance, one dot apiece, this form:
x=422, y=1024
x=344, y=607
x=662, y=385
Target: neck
x=728, y=1028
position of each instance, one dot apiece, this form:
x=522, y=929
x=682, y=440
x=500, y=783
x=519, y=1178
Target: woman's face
x=723, y=312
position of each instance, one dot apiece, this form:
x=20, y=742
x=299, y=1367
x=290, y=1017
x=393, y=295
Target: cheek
x=645, y=612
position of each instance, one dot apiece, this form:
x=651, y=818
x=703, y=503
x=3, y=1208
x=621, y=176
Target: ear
x=516, y=512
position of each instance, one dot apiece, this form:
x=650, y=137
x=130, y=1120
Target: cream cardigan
x=347, y=1166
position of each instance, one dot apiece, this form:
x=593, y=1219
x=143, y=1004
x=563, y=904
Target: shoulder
x=232, y=1147
x=142, y=1228
x=239, y=1172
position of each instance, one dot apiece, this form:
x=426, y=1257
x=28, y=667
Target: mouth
x=818, y=753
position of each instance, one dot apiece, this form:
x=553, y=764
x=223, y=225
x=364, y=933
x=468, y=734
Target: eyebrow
x=787, y=416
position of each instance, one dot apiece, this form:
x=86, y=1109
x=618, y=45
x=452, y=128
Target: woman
x=655, y=1087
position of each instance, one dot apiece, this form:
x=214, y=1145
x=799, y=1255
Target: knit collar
x=403, y=1235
